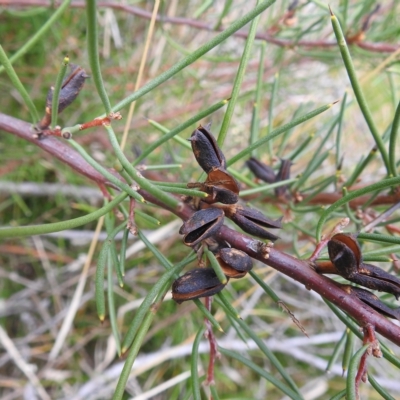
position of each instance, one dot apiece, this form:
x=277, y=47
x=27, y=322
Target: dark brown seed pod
x=260, y=170
x=202, y=224
x=253, y=221
x=206, y=150
x=373, y=301
x=345, y=254
x=71, y=86
x=283, y=174
x=200, y=282
x=234, y=263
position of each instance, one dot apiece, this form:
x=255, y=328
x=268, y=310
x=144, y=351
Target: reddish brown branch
x=373, y=47
x=298, y=270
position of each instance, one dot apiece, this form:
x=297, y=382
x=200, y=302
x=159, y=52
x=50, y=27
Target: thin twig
x=370, y=46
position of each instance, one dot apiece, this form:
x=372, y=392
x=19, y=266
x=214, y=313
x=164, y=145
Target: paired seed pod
x=202, y=225
x=199, y=282
x=345, y=254
x=253, y=222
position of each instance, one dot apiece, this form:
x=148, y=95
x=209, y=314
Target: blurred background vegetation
x=301, y=71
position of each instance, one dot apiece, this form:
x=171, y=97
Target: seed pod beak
x=199, y=282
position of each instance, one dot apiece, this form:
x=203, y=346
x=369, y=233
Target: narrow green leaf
x=267, y=187
x=348, y=350
x=262, y=373
x=111, y=306
x=255, y=118
x=93, y=53
x=122, y=252
x=135, y=175
x=215, y=266
x=351, y=72
x=133, y=352
x=107, y=174
x=173, y=132
x=338, y=348
x=31, y=230
x=351, y=375
x=179, y=66
x=383, y=392
x=6, y=64
x=238, y=80
x=56, y=92
x=194, y=361
x=277, y=132
x=274, y=361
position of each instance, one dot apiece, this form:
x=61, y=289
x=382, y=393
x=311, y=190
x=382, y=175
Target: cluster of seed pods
x=346, y=259
x=222, y=201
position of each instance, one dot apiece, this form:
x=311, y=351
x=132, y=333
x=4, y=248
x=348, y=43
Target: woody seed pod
x=253, y=222
x=260, y=170
x=206, y=150
x=202, y=224
x=234, y=263
x=200, y=282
